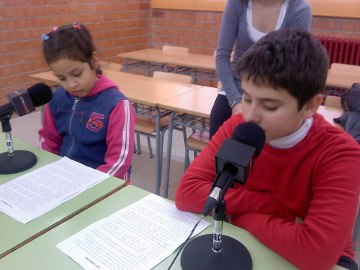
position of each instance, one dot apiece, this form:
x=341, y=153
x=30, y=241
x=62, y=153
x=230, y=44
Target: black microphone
x=234, y=160
x=22, y=102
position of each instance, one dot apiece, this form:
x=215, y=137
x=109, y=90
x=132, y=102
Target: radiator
x=342, y=50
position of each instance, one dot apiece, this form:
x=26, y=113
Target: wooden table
x=346, y=69
x=193, y=63
x=342, y=75
x=198, y=102
x=46, y=77
x=200, y=67
x=42, y=253
x=147, y=90
x=137, y=88
x=147, y=57
x=49, y=78
x=339, y=75
x=14, y=234
x=194, y=108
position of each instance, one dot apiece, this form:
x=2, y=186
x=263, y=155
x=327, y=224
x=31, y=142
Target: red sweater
x=316, y=180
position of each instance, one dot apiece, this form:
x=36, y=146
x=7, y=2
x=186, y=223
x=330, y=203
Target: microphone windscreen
x=251, y=134
x=40, y=94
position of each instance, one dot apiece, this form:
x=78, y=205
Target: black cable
x=184, y=243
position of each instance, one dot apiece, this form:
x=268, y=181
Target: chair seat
x=198, y=140
x=144, y=126
x=148, y=125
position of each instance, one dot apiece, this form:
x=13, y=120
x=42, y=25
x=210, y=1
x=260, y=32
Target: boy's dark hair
x=291, y=59
x=72, y=41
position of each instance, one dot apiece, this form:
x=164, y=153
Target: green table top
x=14, y=234
x=42, y=253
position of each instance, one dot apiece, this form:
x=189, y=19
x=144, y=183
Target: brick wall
x=199, y=30
x=117, y=26
x=336, y=27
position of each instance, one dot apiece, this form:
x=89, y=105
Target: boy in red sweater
x=301, y=198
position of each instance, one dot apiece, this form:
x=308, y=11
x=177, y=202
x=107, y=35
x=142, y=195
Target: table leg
x=125, y=65
x=168, y=155
x=158, y=153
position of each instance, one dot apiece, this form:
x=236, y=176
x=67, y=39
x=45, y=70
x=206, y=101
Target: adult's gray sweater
x=234, y=34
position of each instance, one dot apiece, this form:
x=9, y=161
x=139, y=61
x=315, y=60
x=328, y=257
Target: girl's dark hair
x=291, y=59
x=72, y=41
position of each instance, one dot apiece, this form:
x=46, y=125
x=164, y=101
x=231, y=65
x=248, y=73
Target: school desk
x=42, y=253
x=193, y=110
x=199, y=66
x=343, y=76
x=339, y=75
x=346, y=69
x=14, y=234
x=146, y=57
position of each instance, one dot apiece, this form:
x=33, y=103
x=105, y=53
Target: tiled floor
x=143, y=173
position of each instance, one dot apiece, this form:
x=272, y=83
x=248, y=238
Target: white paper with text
x=139, y=236
x=37, y=192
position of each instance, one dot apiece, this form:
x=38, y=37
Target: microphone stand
x=216, y=251
x=13, y=161
x=219, y=218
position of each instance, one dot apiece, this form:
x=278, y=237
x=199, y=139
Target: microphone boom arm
x=5, y=112
x=224, y=180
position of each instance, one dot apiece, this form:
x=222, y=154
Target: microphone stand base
x=20, y=161
x=198, y=255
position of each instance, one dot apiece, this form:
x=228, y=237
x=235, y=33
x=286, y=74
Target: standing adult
x=243, y=23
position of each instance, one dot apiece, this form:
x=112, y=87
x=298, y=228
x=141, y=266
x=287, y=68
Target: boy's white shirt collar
x=294, y=138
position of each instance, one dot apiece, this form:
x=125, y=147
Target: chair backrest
x=172, y=77
x=175, y=49
x=110, y=65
